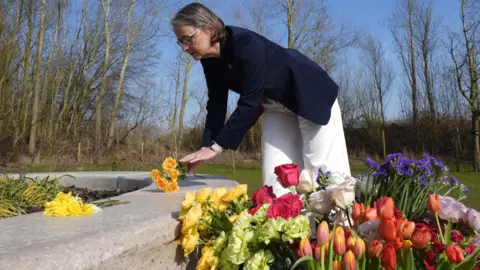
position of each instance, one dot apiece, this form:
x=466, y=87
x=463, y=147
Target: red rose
x=263, y=195
x=427, y=265
x=287, y=206
x=437, y=246
x=254, y=210
x=470, y=249
x=288, y=174
x=397, y=213
x=430, y=256
x=457, y=236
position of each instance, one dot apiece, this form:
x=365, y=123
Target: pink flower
x=457, y=236
x=452, y=210
x=476, y=240
x=473, y=217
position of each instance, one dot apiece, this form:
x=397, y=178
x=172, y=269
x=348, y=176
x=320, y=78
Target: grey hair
x=199, y=16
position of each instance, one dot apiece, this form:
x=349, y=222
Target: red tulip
x=388, y=229
x=389, y=257
x=421, y=238
x=370, y=213
x=406, y=228
x=351, y=243
x=454, y=253
x=386, y=207
x=374, y=249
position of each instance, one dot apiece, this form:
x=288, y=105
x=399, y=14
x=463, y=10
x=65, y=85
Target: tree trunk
x=188, y=66
x=113, y=117
x=476, y=141
x=412, y=65
x=38, y=76
x=103, y=87
x=290, y=14
x=23, y=110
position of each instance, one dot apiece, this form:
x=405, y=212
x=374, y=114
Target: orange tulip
x=389, y=257
x=433, y=203
x=337, y=265
x=358, y=212
x=454, y=253
x=385, y=207
x=406, y=228
x=407, y=244
x=305, y=248
x=421, y=238
x=370, y=213
x=359, y=248
x=351, y=243
x=388, y=229
x=323, y=233
x=349, y=261
x=339, y=241
x=374, y=249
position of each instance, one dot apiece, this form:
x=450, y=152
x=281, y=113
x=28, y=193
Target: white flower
x=96, y=209
x=473, y=217
x=476, y=240
x=307, y=182
x=320, y=202
x=452, y=209
x=343, y=194
x=335, y=178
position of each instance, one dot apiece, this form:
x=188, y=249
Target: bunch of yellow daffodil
x=65, y=204
x=167, y=177
x=203, y=212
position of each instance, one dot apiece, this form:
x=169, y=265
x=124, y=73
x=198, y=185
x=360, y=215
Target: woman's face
x=194, y=41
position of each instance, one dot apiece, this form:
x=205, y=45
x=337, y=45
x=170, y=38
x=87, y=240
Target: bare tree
x=38, y=82
x=464, y=56
x=382, y=76
x=402, y=29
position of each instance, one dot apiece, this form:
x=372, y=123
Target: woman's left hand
x=203, y=154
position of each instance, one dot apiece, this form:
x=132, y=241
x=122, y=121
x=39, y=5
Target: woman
x=302, y=119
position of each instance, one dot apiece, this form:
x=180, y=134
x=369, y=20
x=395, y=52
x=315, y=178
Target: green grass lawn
x=252, y=175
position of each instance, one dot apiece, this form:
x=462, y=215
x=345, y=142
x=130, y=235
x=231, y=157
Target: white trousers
x=288, y=138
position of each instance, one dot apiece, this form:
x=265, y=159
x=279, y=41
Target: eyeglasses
x=187, y=40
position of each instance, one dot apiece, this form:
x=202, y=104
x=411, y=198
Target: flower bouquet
x=330, y=220
x=166, y=178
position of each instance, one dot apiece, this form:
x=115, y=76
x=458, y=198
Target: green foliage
x=19, y=196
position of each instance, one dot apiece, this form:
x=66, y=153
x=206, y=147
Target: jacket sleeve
x=252, y=68
x=216, y=105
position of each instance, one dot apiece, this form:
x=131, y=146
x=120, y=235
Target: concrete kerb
x=138, y=235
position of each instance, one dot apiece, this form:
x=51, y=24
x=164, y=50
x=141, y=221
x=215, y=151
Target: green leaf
x=443, y=266
x=469, y=261
x=373, y=264
x=410, y=260
x=300, y=261
x=448, y=233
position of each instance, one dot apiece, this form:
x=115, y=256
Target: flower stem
x=322, y=257
x=348, y=218
x=439, y=228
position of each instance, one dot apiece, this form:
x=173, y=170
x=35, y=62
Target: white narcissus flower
x=307, y=182
x=473, y=217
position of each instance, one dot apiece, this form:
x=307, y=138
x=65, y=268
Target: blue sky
x=368, y=15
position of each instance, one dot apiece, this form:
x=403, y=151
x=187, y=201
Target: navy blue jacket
x=255, y=67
